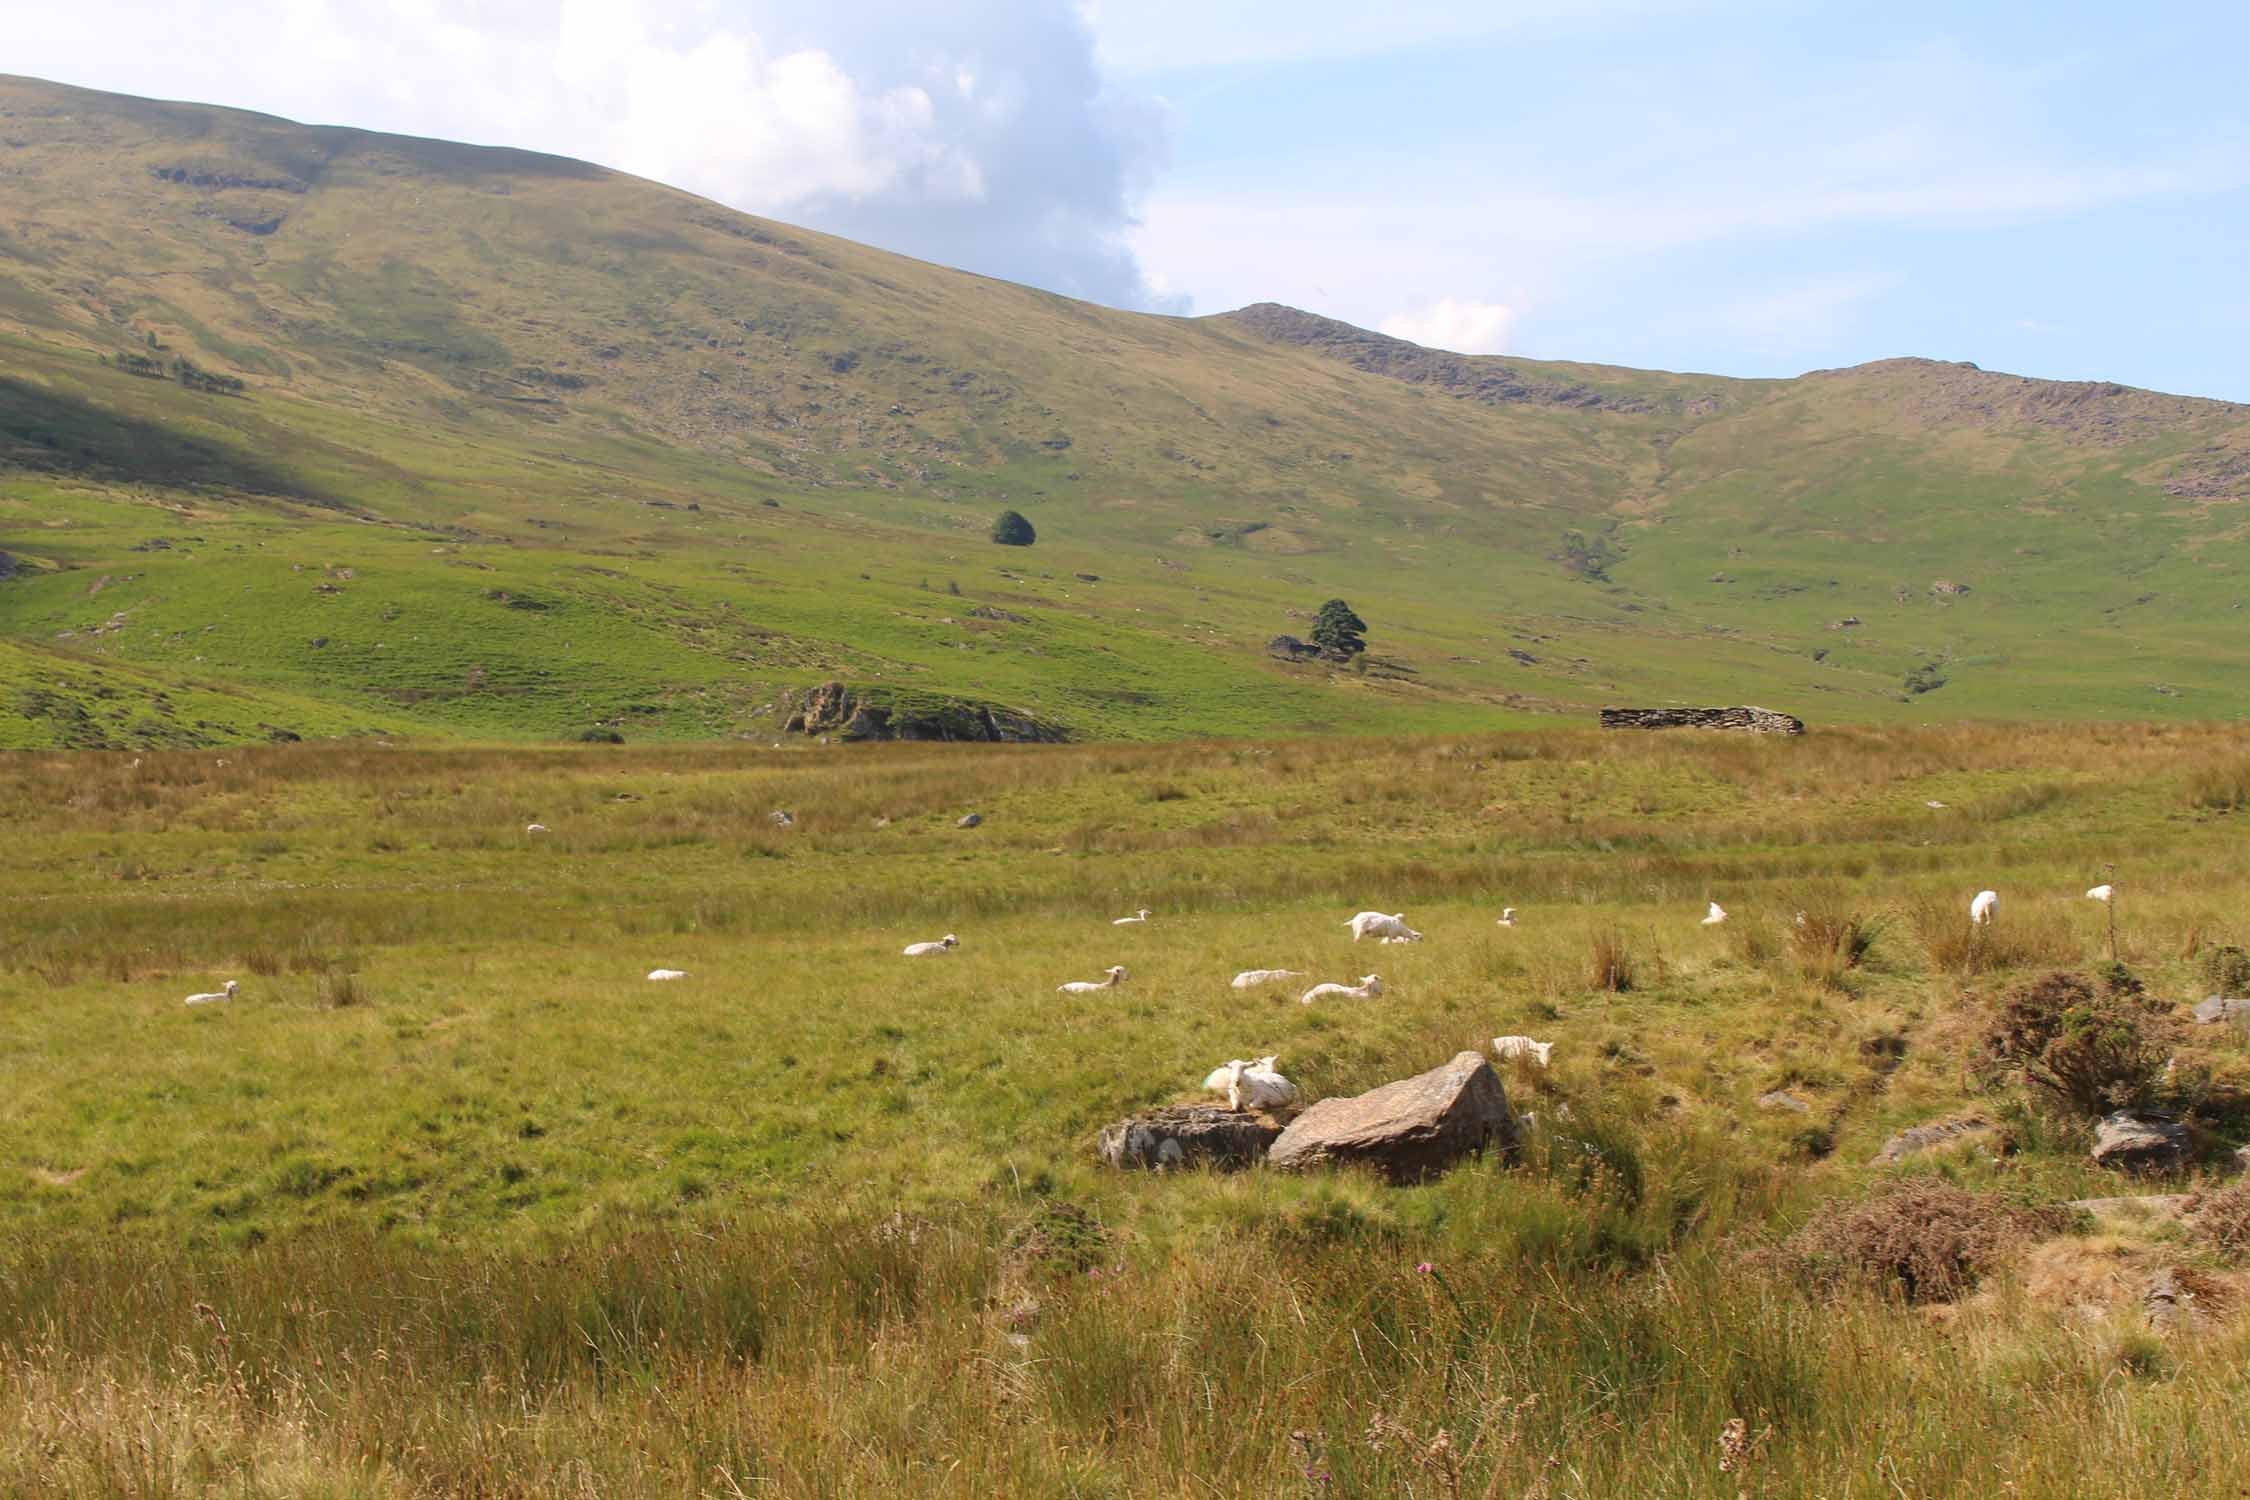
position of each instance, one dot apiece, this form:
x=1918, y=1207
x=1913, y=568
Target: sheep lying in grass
x=1134, y=920
x=1377, y=925
x=938, y=949
x=1250, y=979
x=1507, y=1048
x=1115, y=977
x=1715, y=915
x=1369, y=986
x=1252, y=1085
x=663, y=974
x=1507, y=917
x=215, y=996
x=531, y=828
x=2101, y=893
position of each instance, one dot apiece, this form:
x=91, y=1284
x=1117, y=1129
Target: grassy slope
x=536, y=366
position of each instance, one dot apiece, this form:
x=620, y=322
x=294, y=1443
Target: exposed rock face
x=1783, y=1099
x=1408, y=1129
x=1187, y=1135
x=1472, y=377
x=2137, y=1143
x=2217, y=1008
x=1747, y=720
x=1921, y=1138
x=855, y=714
x=7, y=566
x=1289, y=648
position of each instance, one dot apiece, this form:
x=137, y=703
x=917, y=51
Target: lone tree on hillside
x=1338, y=631
x=1012, y=530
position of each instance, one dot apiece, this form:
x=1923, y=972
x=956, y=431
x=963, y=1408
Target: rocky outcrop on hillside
x=851, y=713
x=1746, y=720
x=1473, y=377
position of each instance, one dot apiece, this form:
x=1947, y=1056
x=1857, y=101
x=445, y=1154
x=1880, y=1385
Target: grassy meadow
x=451, y=1200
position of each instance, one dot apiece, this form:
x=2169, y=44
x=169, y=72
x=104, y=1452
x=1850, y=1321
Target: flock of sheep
x=1258, y=1083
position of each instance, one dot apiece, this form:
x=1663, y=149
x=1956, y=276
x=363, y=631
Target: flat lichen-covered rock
x=1747, y=720
x=1408, y=1129
x=1187, y=1135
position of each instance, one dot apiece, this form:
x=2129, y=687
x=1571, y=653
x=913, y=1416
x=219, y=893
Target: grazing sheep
x=1252, y=1085
x=215, y=996
x=1137, y=917
x=1984, y=908
x=2101, y=893
x=1368, y=988
x=667, y=973
x=1508, y=1047
x=1090, y=986
x=1715, y=915
x=1376, y=924
x=937, y=949
x=1507, y=917
x=1250, y=979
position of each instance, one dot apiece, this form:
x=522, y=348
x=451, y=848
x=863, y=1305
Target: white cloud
x=981, y=135
x=1463, y=327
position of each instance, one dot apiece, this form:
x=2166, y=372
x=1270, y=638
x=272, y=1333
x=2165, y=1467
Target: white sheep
x=1715, y=915
x=215, y=996
x=1507, y=917
x=2101, y=893
x=1255, y=1085
x=1368, y=988
x=1136, y=918
x=1984, y=908
x=1250, y=979
x=1116, y=976
x=938, y=949
x=667, y=974
x=1508, y=1047
x=532, y=828
x=1377, y=924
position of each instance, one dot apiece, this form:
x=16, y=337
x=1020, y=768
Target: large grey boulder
x=2219, y=1008
x=1409, y=1129
x=2139, y=1143
x=1187, y=1135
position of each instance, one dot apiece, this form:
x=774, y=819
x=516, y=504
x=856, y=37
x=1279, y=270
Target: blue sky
x=1756, y=187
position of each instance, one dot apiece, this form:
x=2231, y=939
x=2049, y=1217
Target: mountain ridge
x=775, y=440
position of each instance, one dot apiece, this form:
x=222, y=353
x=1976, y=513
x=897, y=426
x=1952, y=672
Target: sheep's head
x=1372, y=983
x=233, y=987
x=1117, y=971
x=949, y=941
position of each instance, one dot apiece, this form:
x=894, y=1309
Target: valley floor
x=452, y=1200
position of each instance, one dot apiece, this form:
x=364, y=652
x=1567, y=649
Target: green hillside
x=522, y=447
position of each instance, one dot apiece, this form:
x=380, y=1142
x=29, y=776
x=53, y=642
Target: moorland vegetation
x=451, y=1200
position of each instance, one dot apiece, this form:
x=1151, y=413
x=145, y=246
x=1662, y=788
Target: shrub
x=1831, y=939
x=2227, y=969
x=1013, y=530
x=2084, y=1050
x=2221, y=788
x=601, y=737
x=1609, y=965
x=1926, y=1238
x=2221, y=1219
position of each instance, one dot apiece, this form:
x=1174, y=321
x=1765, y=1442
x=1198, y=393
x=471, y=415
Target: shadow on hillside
x=55, y=433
